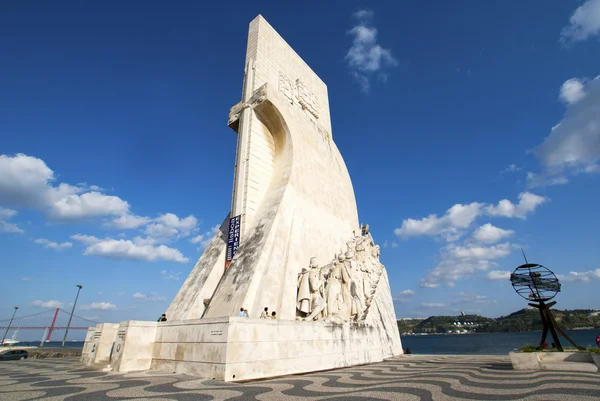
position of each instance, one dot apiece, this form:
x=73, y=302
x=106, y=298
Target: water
x=50, y=344
x=489, y=343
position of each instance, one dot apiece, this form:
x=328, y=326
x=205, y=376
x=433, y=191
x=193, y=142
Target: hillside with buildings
x=519, y=321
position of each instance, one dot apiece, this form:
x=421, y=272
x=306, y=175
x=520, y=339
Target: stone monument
x=293, y=207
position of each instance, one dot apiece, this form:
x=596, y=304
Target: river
x=489, y=343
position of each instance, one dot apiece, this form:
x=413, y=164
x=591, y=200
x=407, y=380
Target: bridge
x=16, y=323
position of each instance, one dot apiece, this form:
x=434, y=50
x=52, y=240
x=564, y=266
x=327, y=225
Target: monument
x=291, y=243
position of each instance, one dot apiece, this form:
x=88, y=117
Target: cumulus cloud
x=581, y=276
x=457, y=217
x=584, y=22
x=528, y=202
x=490, y=234
x=137, y=249
x=53, y=245
x=498, y=275
x=572, y=91
x=433, y=304
x=169, y=225
x=27, y=182
x=150, y=297
x=101, y=306
x=5, y=226
x=512, y=168
x=47, y=304
x=407, y=292
x=128, y=222
x=366, y=58
x=573, y=146
x=169, y=275
x=459, y=262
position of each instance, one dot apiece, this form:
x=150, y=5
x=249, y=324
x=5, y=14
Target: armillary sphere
x=535, y=282
x=539, y=284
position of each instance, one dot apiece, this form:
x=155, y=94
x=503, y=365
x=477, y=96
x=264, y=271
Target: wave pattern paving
x=414, y=377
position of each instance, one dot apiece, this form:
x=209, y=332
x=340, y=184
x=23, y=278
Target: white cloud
x=433, y=304
x=572, y=91
x=512, y=168
x=101, y=306
x=395, y=245
x=573, y=145
x=170, y=275
x=151, y=297
x=138, y=249
x=128, y=221
x=584, y=23
x=407, y=292
x=27, y=182
x=197, y=238
x=90, y=204
x=581, y=276
x=498, y=275
x=93, y=318
x=26, y=279
x=366, y=57
x=544, y=180
x=490, y=234
x=6, y=227
x=47, y=304
x=53, y=245
x=168, y=225
x=458, y=262
x=457, y=217
x=471, y=298
x=528, y=202
x=86, y=239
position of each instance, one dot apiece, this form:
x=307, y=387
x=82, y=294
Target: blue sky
x=470, y=129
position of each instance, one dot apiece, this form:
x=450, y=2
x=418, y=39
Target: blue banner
x=233, y=238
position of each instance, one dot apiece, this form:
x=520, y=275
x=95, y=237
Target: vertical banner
x=233, y=239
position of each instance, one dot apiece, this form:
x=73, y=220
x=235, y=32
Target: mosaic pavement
x=411, y=377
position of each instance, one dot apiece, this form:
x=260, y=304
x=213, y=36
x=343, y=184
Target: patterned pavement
x=412, y=377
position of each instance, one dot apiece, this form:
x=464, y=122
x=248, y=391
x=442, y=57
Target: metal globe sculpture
x=538, y=284
x=535, y=282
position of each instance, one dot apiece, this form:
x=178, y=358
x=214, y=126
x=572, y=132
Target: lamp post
x=79, y=287
x=8, y=328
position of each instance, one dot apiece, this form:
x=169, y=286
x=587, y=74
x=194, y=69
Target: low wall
x=234, y=349
x=98, y=344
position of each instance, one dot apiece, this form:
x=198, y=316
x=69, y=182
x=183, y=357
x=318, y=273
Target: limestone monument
x=291, y=242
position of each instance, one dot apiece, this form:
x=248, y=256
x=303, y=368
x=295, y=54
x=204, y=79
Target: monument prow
x=293, y=205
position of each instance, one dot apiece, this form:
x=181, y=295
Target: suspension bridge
x=48, y=330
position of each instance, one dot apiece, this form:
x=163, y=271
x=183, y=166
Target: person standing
x=265, y=313
x=241, y=314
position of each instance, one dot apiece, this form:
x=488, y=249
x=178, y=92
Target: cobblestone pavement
x=411, y=377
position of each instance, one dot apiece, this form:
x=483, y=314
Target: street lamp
x=8, y=328
x=79, y=287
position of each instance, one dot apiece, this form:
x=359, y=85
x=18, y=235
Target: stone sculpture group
x=342, y=290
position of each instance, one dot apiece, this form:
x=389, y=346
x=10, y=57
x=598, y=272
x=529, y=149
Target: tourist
x=246, y=313
x=241, y=314
x=162, y=318
x=273, y=315
x=408, y=351
x=265, y=313
x=598, y=341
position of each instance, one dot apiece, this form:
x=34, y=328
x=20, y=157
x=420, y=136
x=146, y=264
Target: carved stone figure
x=310, y=292
x=342, y=290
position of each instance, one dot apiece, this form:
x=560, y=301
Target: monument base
x=237, y=349
x=98, y=344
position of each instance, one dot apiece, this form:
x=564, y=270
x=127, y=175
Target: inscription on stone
x=216, y=332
